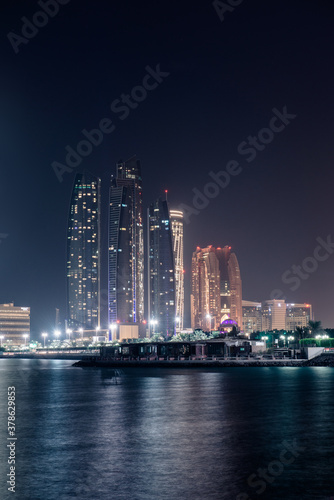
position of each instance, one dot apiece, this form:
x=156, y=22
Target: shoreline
x=325, y=362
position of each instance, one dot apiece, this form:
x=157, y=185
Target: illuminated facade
x=83, y=253
x=161, y=269
x=126, y=245
x=273, y=315
x=298, y=315
x=216, y=288
x=251, y=316
x=14, y=324
x=176, y=220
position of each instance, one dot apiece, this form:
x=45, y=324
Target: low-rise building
x=14, y=324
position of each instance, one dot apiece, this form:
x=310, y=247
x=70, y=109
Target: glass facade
x=176, y=220
x=216, y=288
x=161, y=269
x=83, y=253
x=126, y=245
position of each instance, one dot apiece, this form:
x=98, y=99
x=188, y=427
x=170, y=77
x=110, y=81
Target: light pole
x=44, y=335
x=81, y=332
x=57, y=334
x=153, y=322
x=97, y=329
x=25, y=336
x=282, y=337
x=69, y=331
x=290, y=339
x=1, y=339
x=209, y=317
x=265, y=338
x=112, y=328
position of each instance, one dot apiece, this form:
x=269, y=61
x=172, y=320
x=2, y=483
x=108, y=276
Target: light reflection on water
x=150, y=434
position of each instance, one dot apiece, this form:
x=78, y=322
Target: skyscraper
x=176, y=220
x=216, y=288
x=126, y=245
x=161, y=269
x=83, y=253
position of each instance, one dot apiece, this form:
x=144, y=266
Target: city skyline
x=200, y=96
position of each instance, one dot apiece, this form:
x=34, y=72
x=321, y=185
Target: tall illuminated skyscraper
x=126, y=245
x=216, y=288
x=161, y=269
x=176, y=220
x=83, y=253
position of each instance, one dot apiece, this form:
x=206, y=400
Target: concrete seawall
x=202, y=363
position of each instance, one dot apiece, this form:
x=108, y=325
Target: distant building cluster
x=126, y=258
x=216, y=285
x=274, y=315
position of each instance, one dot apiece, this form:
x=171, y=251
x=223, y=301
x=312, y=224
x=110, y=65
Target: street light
x=282, y=337
x=69, y=331
x=25, y=336
x=1, y=339
x=178, y=320
x=81, y=331
x=153, y=322
x=265, y=338
x=44, y=335
x=291, y=338
x=112, y=328
x=209, y=317
x=57, y=334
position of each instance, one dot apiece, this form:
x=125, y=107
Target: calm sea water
x=168, y=434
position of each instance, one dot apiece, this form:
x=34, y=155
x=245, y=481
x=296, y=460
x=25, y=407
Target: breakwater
x=322, y=360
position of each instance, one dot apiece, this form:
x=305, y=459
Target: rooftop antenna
x=166, y=192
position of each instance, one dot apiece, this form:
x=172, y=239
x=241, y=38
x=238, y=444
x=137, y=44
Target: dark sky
x=225, y=78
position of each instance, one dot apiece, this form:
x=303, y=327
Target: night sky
x=224, y=80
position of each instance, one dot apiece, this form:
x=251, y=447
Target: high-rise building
x=14, y=324
x=273, y=315
x=161, y=270
x=126, y=245
x=216, y=288
x=298, y=315
x=83, y=253
x=176, y=220
x=251, y=316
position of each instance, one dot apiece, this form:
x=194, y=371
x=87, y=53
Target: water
x=168, y=433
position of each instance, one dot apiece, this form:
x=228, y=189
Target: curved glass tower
x=126, y=245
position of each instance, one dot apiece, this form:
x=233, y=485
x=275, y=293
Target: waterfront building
x=176, y=220
x=83, y=253
x=298, y=315
x=251, y=316
x=216, y=288
x=273, y=315
x=14, y=324
x=161, y=271
x=126, y=245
